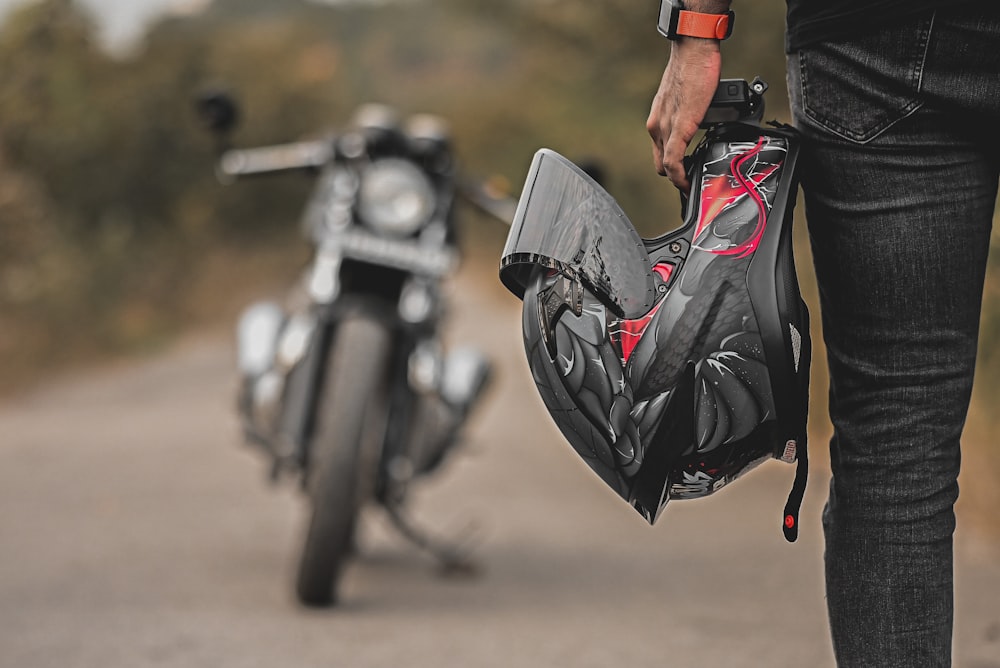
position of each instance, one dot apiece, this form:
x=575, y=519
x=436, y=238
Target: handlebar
x=281, y=157
x=500, y=205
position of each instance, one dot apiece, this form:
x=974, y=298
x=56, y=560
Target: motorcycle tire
x=349, y=427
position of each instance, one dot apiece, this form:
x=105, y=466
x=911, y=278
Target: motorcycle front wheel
x=348, y=429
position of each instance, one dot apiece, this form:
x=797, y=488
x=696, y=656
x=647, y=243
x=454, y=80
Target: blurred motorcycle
x=347, y=384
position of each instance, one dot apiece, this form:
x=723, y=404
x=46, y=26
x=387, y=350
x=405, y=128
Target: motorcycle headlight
x=396, y=197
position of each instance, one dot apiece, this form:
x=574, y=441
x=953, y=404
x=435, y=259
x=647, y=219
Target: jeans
x=900, y=165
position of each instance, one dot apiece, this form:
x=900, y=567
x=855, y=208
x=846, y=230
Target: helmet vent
x=796, y=345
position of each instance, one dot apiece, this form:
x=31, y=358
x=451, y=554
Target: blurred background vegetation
x=115, y=237
x=114, y=234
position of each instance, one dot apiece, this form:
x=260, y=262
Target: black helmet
x=672, y=365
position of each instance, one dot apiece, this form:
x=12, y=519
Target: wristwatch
x=676, y=22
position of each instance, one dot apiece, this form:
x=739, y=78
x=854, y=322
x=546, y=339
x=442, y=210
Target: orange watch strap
x=708, y=26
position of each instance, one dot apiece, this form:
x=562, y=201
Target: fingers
x=654, y=133
x=673, y=163
x=671, y=137
x=685, y=92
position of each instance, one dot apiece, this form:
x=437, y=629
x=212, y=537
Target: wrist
x=708, y=6
x=696, y=47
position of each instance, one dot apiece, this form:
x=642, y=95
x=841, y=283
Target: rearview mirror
x=217, y=110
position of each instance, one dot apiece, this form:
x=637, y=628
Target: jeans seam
x=918, y=67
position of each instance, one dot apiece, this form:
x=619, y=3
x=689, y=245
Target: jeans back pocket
x=857, y=88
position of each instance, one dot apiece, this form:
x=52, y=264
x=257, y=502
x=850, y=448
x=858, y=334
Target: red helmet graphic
x=671, y=365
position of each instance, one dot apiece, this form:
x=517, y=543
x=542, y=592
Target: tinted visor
x=567, y=222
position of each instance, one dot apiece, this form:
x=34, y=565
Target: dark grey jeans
x=900, y=168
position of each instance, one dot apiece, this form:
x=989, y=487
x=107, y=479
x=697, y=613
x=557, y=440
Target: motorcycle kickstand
x=454, y=559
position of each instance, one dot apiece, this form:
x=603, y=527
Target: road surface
x=137, y=530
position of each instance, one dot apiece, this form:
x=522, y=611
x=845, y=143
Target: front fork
x=282, y=357
x=303, y=386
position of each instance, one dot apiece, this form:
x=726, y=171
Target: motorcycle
x=347, y=384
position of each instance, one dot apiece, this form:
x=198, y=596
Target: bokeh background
x=116, y=239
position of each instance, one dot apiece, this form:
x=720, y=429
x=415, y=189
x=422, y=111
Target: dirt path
x=136, y=530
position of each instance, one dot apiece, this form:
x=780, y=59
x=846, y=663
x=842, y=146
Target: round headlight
x=396, y=197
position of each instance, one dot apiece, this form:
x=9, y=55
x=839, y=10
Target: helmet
x=672, y=365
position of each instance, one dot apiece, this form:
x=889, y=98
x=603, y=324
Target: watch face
x=669, y=13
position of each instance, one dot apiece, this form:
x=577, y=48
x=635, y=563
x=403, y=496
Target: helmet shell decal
x=678, y=399
x=726, y=183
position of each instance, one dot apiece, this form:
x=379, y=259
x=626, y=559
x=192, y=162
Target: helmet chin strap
x=790, y=525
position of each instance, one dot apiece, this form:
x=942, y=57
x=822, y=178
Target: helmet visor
x=567, y=222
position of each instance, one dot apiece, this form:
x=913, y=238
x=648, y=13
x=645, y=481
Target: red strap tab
x=707, y=26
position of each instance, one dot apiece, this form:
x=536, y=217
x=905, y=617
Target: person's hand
x=686, y=90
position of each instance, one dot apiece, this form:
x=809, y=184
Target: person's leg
x=900, y=191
